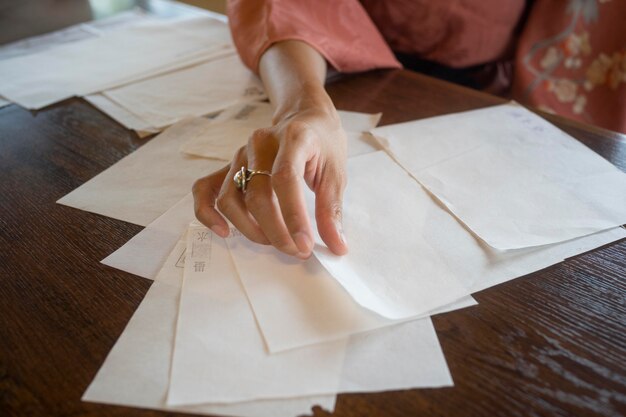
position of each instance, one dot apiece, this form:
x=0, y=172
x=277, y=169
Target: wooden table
x=552, y=343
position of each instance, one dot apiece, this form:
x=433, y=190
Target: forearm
x=293, y=73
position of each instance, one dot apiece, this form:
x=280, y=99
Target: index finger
x=205, y=191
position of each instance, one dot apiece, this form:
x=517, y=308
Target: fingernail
x=303, y=242
x=219, y=230
x=339, y=228
x=303, y=256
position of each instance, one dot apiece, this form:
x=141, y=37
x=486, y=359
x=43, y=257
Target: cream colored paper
x=516, y=180
x=143, y=185
x=217, y=332
x=73, y=33
x=391, y=267
x=121, y=115
x=403, y=356
x=233, y=128
x=136, y=371
x=286, y=293
x=219, y=355
x=144, y=254
x=117, y=57
x=299, y=303
x=194, y=91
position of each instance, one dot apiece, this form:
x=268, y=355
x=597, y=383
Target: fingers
x=205, y=191
x=218, y=189
x=231, y=203
x=328, y=209
x=287, y=180
x=260, y=198
x=273, y=209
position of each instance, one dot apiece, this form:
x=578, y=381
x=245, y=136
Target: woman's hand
x=309, y=144
x=306, y=141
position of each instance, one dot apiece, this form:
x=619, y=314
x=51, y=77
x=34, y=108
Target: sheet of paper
x=513, y=178
x=297, y=321
x=194, y=91
x=299, y=303
x=73, y=33
x=117, y=57
x=144, y=254
x=403, y=356
x=219, y=355
x=234, y=126
x=213, y=303
x=4, y=102
x=391, y=267
x=143, y=185
x=136, y=371
x=121, y=115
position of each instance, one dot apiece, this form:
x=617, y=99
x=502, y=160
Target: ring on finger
x=244, y=175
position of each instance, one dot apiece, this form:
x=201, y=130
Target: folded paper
x=513, y=178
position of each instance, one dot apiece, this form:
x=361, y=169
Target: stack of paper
x=144, y=72
x=138, y=190
x=71, y=34
x=74, y=33
x=235, y=328
x=116, y=58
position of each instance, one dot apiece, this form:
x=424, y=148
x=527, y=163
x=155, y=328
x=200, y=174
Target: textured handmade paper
x=117, y=57
x=516, y=180
x=146, y=183
x=194, y=91
x=136, y=371
x=219, y=355
x=298, y=319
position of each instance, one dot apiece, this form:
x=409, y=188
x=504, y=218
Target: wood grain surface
x=552, y=343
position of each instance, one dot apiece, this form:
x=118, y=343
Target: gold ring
x=244, y=175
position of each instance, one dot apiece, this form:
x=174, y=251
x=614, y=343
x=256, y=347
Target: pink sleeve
x=340, y=30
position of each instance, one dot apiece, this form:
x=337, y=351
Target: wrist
x=308, y=99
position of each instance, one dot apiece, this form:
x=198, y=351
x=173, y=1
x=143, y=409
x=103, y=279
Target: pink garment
x=340, y=30
x=571, y=56
x=571, y=60
x=455, y=33
x=458, y=33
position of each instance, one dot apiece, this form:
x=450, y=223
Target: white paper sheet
x=136, y=371
x=73, y=33
x=403, y=356
x=143, y=185
x=294, y=320
x=194, y=91
x=299, y=303
x=213, y=304
x=391, y=267
x=516, y=180
x=113, y=59
x=121, y=115
x=144, y=254
x=219, y=355
x=234, y=126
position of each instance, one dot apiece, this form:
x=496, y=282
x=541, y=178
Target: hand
x=309, y=144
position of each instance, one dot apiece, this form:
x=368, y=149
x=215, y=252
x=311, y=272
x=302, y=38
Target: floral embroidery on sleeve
x=565, y=69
